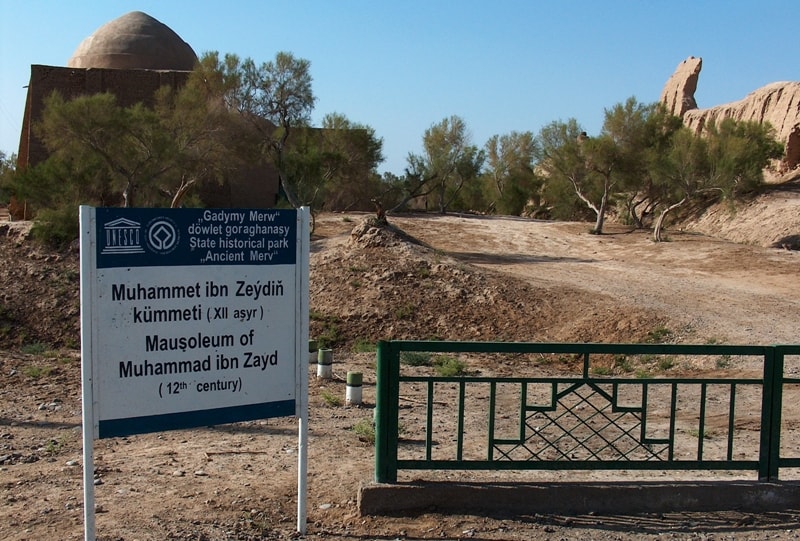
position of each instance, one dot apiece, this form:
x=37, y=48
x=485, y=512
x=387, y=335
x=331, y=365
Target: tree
x=620, y=157
x=509, y=171
x=603, y=158
x=276, y=97
x=448, y=162
x=726, y=160
x=151, y=155
x=682, y=175
x=336, y=165
x=351, y=155
x=614, y=164
x=7, y=170
x=126, y=140
x=641, y=134
x=416, y=181
x=739, y=151
x=51, y=193
x=558, y=155
x=650, y=133
x=206, y=142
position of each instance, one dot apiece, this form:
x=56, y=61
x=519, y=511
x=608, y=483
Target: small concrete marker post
x=325, y=364
x=353, y=392
x=312, y=351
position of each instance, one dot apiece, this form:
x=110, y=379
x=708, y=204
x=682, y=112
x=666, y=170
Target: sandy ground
x=239, y=482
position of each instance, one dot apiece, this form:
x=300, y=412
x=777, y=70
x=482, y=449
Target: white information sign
x=192, y=317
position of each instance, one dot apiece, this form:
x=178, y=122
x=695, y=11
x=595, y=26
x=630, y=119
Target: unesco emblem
x=162, y=235
x=121, y=237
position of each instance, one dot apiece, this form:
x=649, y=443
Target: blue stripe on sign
x=114, y=428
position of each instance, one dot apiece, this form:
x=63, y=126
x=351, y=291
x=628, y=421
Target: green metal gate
x=588, y=421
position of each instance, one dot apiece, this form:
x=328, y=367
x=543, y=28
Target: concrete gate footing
x=487, y=499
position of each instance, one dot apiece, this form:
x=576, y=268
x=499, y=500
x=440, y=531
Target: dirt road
x=712, y=289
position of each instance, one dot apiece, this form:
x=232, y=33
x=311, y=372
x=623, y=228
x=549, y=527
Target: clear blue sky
x=402, y=65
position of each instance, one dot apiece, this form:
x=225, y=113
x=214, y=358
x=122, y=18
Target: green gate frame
x=389, y=378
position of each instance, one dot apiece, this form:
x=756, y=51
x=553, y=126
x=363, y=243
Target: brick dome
x=134, y=41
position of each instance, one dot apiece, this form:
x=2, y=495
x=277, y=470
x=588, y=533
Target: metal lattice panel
x=583, y=424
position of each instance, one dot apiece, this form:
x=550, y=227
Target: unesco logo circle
x=162, y=235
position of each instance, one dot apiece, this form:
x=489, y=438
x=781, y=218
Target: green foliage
x=94, y=131
x=37, y=372
x=36, y=348
x=658, y=335
x=104, y=154
x=666, y=363
x=446, y=366
x=601, y=370
x=695, y=433
x=52, y=192
x=56, y=227
x=725, y=161
x=562, y=202
x=509, y=174
x=351, y=154
x=8, y=166
x=274, y=97
x=422, y=270
x=723, y=362
x=55, y=446
x=558, y=153
x=365, y=430
x=364, y=346
x=404, y=311
x=647, y=164
x=586, y=163
x=623, y=363
x=330, y=399
x=449, y=163
x=329, y=335
x=518, y=191
x=233, y=111
x=415, y=358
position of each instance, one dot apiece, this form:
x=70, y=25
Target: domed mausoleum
x=130, y=57
x=134, y=41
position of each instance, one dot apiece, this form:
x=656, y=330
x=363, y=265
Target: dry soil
x=446, y=277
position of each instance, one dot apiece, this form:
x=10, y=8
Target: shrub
x=364, y=346
x=331, y=399
x=449, y=366
x=365, y=430
x=56, y=228
x=415, y=358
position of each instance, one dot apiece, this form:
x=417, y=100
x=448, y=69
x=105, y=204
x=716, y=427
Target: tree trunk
x=181, y=193
x=127, y=195
x=287, y=190
x=599, y=212
x=657, y=237
x=598, y=224
x=601, y=216
x=633, y=211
